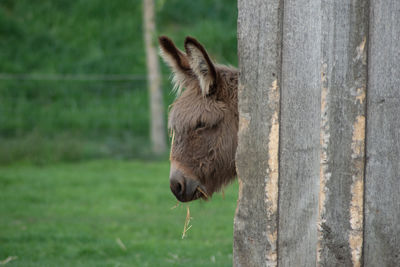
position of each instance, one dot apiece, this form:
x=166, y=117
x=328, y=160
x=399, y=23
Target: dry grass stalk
x=223, y=194
x=176, y=205
x=9, y=258
x=186, y=227
x=120, y=244
x=204, y=193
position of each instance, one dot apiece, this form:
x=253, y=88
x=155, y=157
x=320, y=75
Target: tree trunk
x=157, y=124
x=318, y=158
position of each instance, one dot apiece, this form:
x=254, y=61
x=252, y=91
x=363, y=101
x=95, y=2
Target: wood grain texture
x=344, y=80
x=321, y=79
x=382, y=192
x=259, y=42
x=299, y=135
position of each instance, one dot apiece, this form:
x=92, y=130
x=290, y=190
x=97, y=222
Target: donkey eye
x=200, y=125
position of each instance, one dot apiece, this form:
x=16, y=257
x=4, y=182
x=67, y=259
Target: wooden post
x=157, y=124
x=382, y=189
x=255, y=237
x=299, y=136
x=344, y=33
x=318, y=158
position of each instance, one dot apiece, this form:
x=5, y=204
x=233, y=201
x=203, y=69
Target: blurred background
x=80, y=182
x=73, y=73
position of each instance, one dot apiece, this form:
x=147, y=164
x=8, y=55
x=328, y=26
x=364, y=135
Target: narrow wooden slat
x=259, y=41
x=344, y=81
x=299, y=134
x=382, y=189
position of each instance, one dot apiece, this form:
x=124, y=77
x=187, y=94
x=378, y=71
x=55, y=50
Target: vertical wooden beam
x=299, y=135
x=259, y=41
x=156, y=102
x=382, y=191
x=344, y=81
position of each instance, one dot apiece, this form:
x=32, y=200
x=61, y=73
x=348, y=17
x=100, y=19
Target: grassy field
x=81, y=187
x=64, y=120
x=73, y=214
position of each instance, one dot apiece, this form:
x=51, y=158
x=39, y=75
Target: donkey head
x=203, y=121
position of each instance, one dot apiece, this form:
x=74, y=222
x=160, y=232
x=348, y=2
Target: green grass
x=70, y=214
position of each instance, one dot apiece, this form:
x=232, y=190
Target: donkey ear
x=201, y=65
x=177, y=60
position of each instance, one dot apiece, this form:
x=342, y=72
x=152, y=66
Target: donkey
x=203, y=121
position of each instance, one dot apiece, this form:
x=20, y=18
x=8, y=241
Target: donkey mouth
x=189, y=191
x=199, y=192
x=184, y=188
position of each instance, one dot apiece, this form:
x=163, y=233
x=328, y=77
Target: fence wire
x=72, y=77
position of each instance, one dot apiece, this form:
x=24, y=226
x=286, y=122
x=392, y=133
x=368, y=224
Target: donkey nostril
x=177, y=187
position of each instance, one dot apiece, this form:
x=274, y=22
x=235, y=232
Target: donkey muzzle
x=185, y=189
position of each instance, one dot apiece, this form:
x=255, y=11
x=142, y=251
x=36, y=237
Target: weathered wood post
x=156, y=102
x=318, y=158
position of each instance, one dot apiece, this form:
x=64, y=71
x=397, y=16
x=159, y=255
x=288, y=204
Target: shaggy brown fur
x=203, y=118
